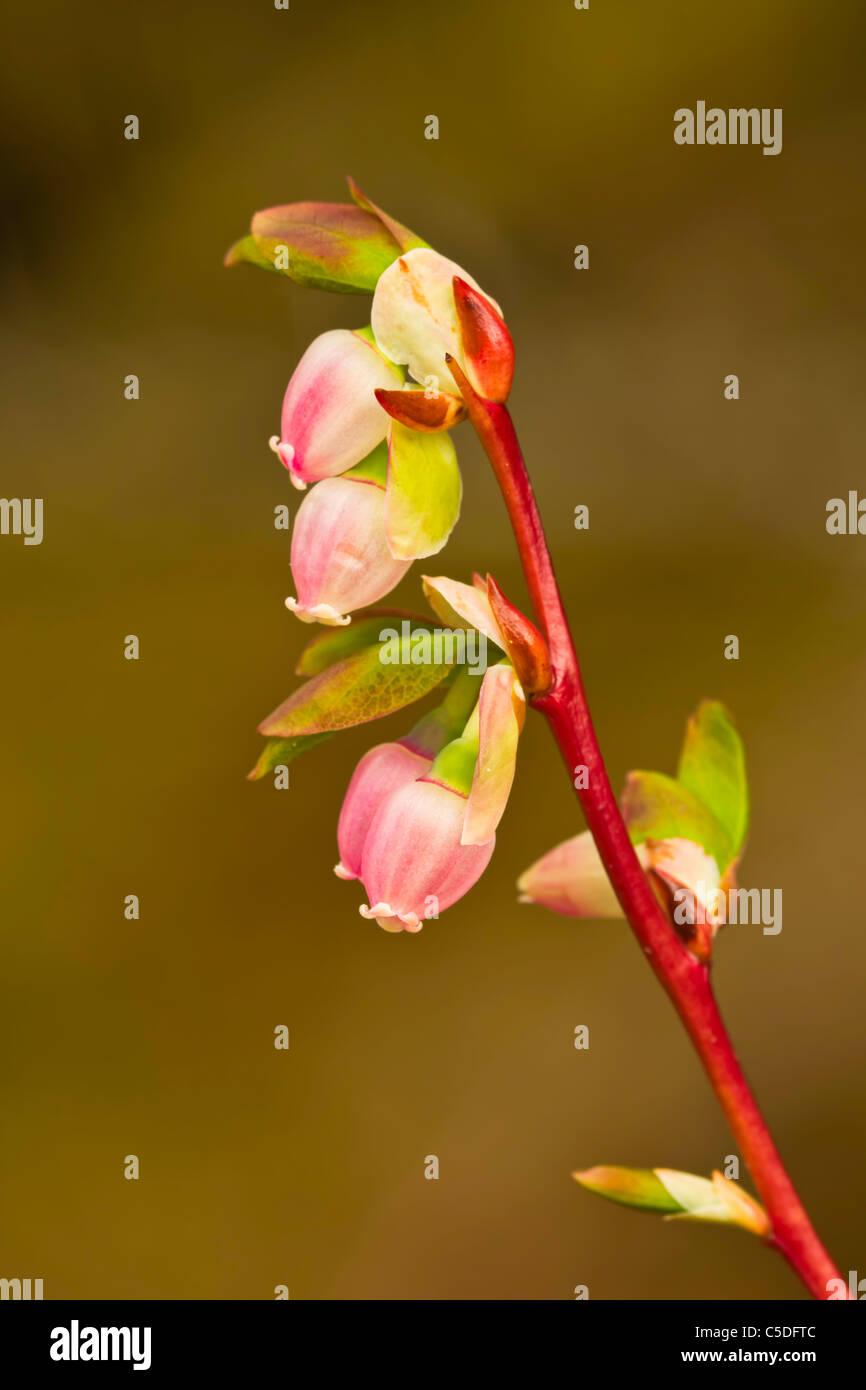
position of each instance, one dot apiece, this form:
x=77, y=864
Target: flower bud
x=487, y=348
x=381, y=771
x=326, y=246
x=678, y=1196
x=331, y=419
x=340, y=556
x=572, y=880
x=414, y=315
x=413, y=864
x=527, y=649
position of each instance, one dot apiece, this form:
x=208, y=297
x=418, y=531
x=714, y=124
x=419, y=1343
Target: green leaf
x=284, y=751
x=331, y=644
x=354, y=691
x=713, y=766
x=327, y=246
x=631, y=1187
x=423, y=493
x=660, y=808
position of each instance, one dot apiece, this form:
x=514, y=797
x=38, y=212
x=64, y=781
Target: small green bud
x=678, y=1196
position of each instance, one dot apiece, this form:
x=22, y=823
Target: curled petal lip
x=285, y=453
x=387, y=918
x=319, y=613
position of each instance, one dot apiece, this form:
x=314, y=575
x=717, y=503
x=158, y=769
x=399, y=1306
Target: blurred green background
x=155, y=1037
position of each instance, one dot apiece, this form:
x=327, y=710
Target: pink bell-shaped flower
x=413, y=864
x=382, y=770
x=340, y=557
x=390, y=766
x=331, y=419
x=431, y=839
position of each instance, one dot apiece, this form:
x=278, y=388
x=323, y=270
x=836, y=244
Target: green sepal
x=454, y=765
x=373, y=468
x=423, y=492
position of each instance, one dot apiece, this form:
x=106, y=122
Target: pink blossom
x=340, y=556
x=381, y=771
x=331, y=419
x=413, y=865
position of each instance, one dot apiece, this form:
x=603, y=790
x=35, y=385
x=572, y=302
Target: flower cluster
x=365, y=426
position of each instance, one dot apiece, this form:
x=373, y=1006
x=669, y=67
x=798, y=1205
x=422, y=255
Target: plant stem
x=686, y=980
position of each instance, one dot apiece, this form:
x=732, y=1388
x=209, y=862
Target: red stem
x=686, y=980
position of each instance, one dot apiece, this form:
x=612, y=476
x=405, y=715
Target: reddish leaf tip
x=429, y=413
x=488, y=348
x=526, y=648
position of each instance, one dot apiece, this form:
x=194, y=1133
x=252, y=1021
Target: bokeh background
x=155, y=1037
